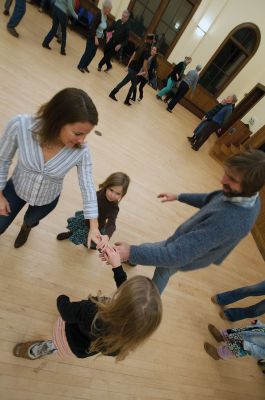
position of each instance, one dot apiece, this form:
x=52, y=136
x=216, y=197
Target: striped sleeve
x=84, y=170
x=8, y=147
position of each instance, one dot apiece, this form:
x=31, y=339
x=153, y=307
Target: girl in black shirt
x=110, y=326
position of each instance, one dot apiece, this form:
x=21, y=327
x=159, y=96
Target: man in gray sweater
x=189, y=81
x=224, y=218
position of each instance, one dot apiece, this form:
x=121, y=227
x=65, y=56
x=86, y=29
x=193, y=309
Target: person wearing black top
x=95, y=34
x=119, y=38
x=143, y=79
x=175, y=76
x=111, y=326
x=110, y=192
x=138, y=62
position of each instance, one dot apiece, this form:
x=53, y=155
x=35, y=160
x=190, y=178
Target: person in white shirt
x=49, y=144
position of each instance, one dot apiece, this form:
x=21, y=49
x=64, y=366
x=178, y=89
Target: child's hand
x=111, y=256
x=103, y=243
x=94, y=235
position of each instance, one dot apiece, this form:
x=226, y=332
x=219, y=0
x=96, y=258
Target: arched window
x=233, y=54
x=166, y=18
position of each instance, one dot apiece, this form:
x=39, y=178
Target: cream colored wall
x=222, y=16
x=219, y=18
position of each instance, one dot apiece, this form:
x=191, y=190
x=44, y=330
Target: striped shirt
x=39, y=182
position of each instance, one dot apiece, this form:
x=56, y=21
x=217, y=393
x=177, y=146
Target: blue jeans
x=89, y=53
x=199, y=128
x=18, y=13
x=236, y=314
x=162, y=274
x=58, y=18
x=33, y=214
x=167, y=88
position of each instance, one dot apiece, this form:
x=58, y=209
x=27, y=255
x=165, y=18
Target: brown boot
x=223, y=316
x=214, y=300
x=212, y=351
x=22, y=237
x=215, y=333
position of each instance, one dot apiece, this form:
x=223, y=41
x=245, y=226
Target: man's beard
x=231, y=193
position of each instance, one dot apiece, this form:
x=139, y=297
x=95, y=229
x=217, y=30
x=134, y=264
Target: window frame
x=157, y=17
x=249, y=54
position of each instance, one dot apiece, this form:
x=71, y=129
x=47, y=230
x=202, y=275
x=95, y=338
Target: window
x=237, y=49
x=166, y=18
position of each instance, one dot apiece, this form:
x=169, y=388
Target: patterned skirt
x=59, y=339
x=234, y=339
x=78, y=226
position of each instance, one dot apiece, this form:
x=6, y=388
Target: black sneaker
x=13, y=32
x=112, y=96
x=6, y=12
x=63, y=235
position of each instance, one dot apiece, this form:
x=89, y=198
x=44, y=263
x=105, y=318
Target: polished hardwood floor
x=151, y=146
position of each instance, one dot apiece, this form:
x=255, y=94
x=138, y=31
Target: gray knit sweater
x=205, y=238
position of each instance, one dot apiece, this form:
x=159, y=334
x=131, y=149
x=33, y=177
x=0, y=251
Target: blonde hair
x=116, y=179
x=129, y=318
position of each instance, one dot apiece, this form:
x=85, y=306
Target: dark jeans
x=89, y=53
x=33, y=214
x=143, y=82
x=58, y=18
x=130, y=77
x=236, y=314
x=8, y=4
x=182, y=90
x=18, y=13
x=203, y=131
x=108, y=53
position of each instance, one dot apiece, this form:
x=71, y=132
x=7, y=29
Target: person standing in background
x=95, y=34
x=174, y=76
x=61, y=9
x=119, y=37
x=190, y=81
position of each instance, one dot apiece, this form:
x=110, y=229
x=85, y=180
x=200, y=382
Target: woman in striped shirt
x=49, y=144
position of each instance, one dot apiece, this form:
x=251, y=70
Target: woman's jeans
x=33, y=214
x=58, y=18
x=167, y=88
x=131, y=76
x=236, y=314
x=89, y=53
x=18, y=13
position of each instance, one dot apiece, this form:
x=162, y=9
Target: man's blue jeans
x=33, y=214
x=236, y=314
x=18, y=13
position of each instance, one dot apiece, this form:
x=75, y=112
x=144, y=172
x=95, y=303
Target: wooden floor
x=151, y=146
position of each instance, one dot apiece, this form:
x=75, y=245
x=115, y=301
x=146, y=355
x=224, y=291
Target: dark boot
x=112, y=94
x=191, y=138
x=212, y=351
x=22, y=237
x=215, y=333
x=127, y=100
x=64, y=235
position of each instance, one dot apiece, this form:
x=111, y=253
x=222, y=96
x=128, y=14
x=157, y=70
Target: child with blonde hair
x=111, y=326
